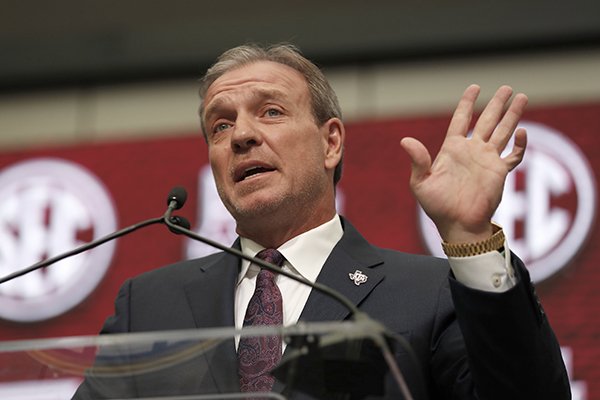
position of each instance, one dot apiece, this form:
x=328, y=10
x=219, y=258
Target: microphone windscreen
x=179, y=221
x=179, y=195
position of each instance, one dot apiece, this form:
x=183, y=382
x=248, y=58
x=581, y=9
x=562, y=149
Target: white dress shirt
x=320, y=240
x=491, y=271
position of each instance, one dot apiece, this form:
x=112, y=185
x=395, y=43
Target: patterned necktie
x=258, y=355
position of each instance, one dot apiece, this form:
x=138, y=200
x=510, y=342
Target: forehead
x=259, y=76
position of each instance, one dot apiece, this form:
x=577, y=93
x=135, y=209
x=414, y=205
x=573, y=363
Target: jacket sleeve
x=119, y=321
x=511, y=349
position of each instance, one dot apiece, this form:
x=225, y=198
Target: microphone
x=175, y=200
x=178, y=196
x=179, y=221
x=369, y=328
x=180, y=225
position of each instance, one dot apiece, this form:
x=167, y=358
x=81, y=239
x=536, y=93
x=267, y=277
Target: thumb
x=420, y=158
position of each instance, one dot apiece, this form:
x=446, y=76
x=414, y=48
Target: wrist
x=460, y=233
x=495, y=242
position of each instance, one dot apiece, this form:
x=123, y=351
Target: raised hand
x=462, y=188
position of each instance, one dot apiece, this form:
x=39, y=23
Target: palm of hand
x=462, y=188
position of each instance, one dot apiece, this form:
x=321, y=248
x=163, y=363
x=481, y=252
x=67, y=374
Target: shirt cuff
x=490, y=272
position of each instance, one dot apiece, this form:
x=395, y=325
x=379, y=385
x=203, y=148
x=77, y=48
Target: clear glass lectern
x=322, y=360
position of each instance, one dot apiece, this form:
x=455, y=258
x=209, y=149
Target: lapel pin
x=358, y=277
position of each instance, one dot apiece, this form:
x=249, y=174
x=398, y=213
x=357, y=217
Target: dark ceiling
x=78, y=42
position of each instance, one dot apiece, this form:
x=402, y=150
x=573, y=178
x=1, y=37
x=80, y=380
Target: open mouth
x=251, y=171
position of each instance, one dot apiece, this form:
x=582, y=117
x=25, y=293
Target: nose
x=245, y=134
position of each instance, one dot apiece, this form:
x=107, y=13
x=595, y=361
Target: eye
x=221, y=127
x=273, y=112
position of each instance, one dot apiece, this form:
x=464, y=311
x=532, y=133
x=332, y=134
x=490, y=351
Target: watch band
x=493, y=243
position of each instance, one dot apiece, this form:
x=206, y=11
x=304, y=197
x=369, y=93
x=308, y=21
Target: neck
x=273, y=231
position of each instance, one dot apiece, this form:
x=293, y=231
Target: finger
x=518, y=152
x=459, y=125
x=509, y=122
x=490, y=116
x=420, y=158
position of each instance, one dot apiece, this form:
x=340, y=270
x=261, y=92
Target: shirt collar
x=320, y=240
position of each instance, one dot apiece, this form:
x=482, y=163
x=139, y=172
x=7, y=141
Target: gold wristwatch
x=493, y=243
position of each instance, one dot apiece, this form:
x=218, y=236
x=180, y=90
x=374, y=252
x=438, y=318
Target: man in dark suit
x=275, y=142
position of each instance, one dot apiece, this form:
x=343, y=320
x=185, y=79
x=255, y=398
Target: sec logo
x=548, y=204
x=47, y=207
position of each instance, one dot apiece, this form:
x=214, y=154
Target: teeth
x=252, y=171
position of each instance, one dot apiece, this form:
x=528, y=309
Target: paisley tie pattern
x=258, y=355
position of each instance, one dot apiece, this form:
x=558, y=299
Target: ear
x=334, y=135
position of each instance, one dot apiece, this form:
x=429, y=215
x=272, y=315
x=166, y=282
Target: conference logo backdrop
x=548, y=204
x=547, y=211
x=47, y=207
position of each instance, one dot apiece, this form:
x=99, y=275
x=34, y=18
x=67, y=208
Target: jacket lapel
x=210, y=295
x=212, y=302
x=210, y=292
x=352, y=253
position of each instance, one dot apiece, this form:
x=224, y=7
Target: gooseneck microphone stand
x=180, y=225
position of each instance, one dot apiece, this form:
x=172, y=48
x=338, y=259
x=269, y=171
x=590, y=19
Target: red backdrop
x=139, y=173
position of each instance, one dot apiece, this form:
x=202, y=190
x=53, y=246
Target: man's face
x=268, y=155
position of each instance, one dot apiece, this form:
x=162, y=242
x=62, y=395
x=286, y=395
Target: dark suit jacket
x=469, y=344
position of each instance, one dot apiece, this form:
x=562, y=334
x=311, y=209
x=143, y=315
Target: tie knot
x=266, y=277
x=272, y=256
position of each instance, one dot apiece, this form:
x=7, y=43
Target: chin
x=256, y=208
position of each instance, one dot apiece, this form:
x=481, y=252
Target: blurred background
x=98, y=120
x=80, y=71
